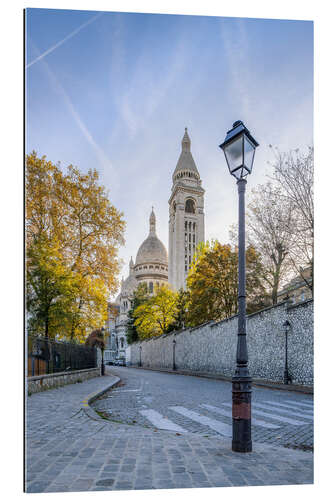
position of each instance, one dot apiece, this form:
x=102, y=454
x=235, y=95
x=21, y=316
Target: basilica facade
x=153, y=265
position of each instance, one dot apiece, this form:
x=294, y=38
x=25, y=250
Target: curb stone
x=85, y=403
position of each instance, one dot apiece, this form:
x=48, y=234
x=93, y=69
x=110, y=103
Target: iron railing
x=46, y=356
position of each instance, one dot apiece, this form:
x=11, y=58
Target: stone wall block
x=212, y=347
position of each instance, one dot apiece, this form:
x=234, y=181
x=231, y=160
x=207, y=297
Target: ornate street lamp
x=286, y=377
x=239, y=148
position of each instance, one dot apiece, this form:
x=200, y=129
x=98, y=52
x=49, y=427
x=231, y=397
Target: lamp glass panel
x=249, y=150
x=238, y=173
x=234, y=154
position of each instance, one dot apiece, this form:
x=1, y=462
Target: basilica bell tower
x=186, y=216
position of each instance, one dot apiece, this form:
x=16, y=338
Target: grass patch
x=102, y=414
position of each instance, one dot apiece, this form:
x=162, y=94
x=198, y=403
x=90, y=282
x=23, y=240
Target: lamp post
x=140, y=362
x=174, y=354
x=239, y=148
x=286, y=377
x=102, y=349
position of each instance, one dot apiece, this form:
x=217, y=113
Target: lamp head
x=239, y=148
x=286, y=325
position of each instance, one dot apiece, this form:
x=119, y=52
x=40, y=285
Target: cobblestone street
x=199, y=405
x=71, y=448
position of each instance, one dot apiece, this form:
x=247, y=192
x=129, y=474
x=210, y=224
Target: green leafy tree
x=51, y=287
x=181, y=310
x=140, y=296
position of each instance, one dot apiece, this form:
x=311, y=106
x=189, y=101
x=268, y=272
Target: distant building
x=152, y=265
x=186, y=216
x=298, y=289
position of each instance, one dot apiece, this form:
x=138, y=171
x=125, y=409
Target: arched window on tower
x=190, y=206
x=151, y=287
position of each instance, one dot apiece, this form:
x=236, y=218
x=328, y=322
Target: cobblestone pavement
x=160, y=400
x=71, y=448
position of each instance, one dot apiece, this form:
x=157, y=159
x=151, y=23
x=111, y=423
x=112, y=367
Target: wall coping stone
x=216, y=323
x=304, y=303
x=211, y=323
x=61, y=374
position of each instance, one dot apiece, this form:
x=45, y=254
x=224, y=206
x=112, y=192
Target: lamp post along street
x=286, y=377
x=174, y=354
x=239, y=148
x=102, y=350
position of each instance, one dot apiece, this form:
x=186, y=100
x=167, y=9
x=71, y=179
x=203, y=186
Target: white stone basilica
x=186, y=230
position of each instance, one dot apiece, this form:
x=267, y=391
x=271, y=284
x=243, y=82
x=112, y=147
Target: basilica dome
x=151, y=264
x=152, y=249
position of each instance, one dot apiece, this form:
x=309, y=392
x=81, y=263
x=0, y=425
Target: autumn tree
x=293, y=174
x=212, y=283
x=73, y=209
x=140, y=296
x=181, y=310
x=51, y=287
x=268, y=221
x=97, y=339
x=88, y=308
x=43, y=212
x=154, y=316
x=94, y=227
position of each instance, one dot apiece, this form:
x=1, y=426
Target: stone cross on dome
x=152, y=222
x=186, y=142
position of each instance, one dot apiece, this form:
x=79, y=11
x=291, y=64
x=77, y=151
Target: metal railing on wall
x=46, y=356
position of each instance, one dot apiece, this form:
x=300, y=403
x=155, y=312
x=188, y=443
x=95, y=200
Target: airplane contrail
x=51, y=49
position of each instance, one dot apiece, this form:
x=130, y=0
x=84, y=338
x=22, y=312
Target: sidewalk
x=70, y=448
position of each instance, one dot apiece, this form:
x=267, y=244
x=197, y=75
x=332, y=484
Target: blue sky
x=114, y=91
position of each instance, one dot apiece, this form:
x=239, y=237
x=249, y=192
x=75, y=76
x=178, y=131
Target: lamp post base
x=287, y=378
x=241, y=414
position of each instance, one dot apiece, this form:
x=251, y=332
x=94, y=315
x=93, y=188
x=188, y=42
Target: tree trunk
x=46, y=333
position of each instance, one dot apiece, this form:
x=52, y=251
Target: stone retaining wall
x=212, y=347
x=51, y=381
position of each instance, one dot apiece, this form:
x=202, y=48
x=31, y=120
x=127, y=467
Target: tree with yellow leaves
x=51, y=288
x=73, y=209
x=212, y=283
x=155, y=316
